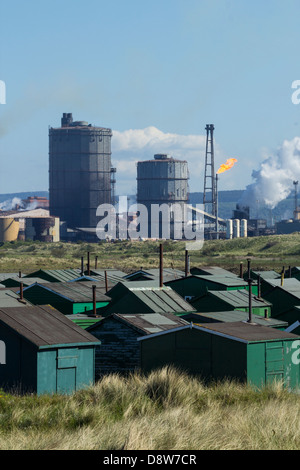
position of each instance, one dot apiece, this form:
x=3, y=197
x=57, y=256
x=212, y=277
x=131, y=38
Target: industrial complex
x=82, y=178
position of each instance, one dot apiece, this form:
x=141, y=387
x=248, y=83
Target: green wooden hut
x=45, y=353
x=218, y=301
x=194, y=286
x=267, y=285
x=292, y=318
x=132, y=297
x=254, y=354
x=119, y=351
x=67, y=297
x=283, y=299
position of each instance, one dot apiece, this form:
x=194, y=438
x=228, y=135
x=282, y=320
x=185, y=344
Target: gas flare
x=226, y=166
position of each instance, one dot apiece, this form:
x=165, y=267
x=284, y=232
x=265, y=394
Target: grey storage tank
x=79, y=171
x=163, y=180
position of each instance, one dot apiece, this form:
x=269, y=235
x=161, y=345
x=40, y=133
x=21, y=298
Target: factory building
x=34, y=224
x=163, y=181
x=80, y=172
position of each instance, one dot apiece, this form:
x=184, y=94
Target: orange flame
x=226, y=166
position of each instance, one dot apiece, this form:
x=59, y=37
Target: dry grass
x=166, y=410
x=271, y=252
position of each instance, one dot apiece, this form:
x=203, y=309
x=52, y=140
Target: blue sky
x=156, y=71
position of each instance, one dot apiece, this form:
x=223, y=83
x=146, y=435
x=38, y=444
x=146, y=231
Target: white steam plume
x=274, y=179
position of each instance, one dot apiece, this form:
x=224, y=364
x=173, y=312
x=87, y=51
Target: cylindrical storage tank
x=163, y=181
x=244, y=228
x=9, y=229
x=229, y=229
x=79, y=171
x=236, y=228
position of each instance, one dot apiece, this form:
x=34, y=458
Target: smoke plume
x=273, y=182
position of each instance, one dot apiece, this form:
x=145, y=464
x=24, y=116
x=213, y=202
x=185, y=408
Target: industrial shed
x=239, y=351
x=217, y=301
x=232, y=316
x=66, y=297
x=131, y=298
x=119, y=350
x=45, y=352
x=194, y=286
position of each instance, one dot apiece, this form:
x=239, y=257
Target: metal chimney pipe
x=259, y=287
x=186, y=263
x=161, y=281
x=94, y=301
x=20, y=274
x=96, y=262
x=249, y=268
x=250, y=299
x=106, y=282
x=21, y=291
x=82, y=266
x=88, y=263
x=290, y=271
x=241, y=270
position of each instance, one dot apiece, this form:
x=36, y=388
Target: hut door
x=274, y=361
x=66, y=380
x=66, y=370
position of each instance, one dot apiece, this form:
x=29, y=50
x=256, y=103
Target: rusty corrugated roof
x=44, y=326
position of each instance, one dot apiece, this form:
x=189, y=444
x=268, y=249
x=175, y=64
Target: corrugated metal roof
x=162, y=299
x=224, y=280
x=112, y=274
x=57, y=275
x=147, y=323
x=248, y=332
x=16, y=281
x=238, y=298
x=4, y=276
x=290, y=284
x=75, y=292
x=44, y=326
x=212, y=271
x=238, y=331
x=266, y=274
x=8, y=298
x=231, y=316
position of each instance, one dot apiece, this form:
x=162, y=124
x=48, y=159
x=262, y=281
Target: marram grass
x=166, y=410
